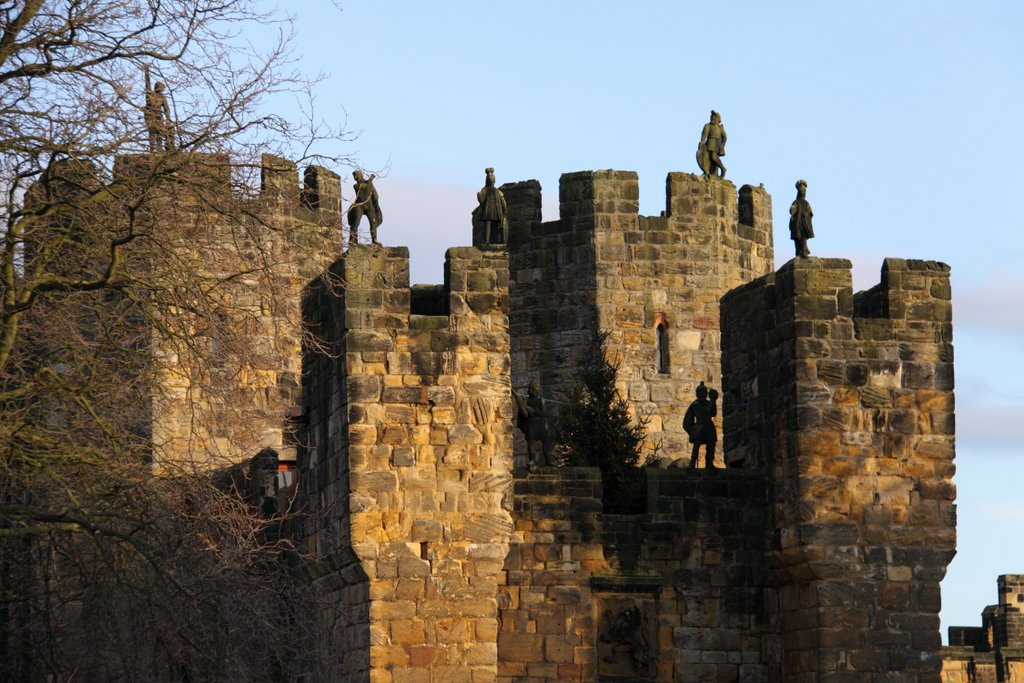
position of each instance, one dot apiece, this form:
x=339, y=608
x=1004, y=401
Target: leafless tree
x=137, y=276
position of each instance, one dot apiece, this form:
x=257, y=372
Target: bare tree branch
x=139, y=280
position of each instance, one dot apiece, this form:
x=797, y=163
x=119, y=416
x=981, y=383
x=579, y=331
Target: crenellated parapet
x=846, y=402
x=651, y=283
x=318, y=199
x=408, y=459
x=269, y=192
x=993, y=651
x=818, y=557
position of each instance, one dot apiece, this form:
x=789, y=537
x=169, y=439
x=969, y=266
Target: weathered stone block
x=404, y=395
x=368, y=340
x=521, y=647
x=364, y=388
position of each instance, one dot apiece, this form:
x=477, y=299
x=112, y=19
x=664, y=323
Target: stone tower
x=652, y=284
x=211, y=272
x=407, y=463
x=845, y=402
x=222, y=397
x=819, y=559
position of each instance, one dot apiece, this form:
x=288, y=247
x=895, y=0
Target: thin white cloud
x=1004, y=512
x=428, y=218
x=992, y=309
x=989, y=426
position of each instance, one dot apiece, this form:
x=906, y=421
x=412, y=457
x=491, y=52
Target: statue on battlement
x=490, y=217
x=699, y=424
x=157, y=117
x=712, y=147
x=366, y=203
x=800, y=215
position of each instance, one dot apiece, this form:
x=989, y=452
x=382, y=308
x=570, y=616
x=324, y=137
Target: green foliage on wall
x=594, y=429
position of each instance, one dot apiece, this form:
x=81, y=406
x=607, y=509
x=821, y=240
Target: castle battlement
x=651, y=284
x=819, y=557
x=895, y=337
x=252, y=252
x=584, y=194
x=212, y=177
x=438, y=553
x=993, y=651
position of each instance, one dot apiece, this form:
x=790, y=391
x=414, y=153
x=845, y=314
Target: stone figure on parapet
x=490, y=219
x=366, y=203
x=800, y=224
x=698, y=422
x=531, y=419
x=157, y=117
x=712, y=147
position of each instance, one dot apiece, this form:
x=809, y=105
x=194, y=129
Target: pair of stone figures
x=157, y=117
x=489, y=217
x=710, y=151
x=698, y=422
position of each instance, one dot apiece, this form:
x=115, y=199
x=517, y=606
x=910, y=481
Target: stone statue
x=800, y=215
x=625, y=631
x=712, y=147
x=699, y=424
x=531, y=419
x=157, y=117
x=366, y=202
x=490, y=217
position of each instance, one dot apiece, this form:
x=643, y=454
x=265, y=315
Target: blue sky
x=904, y=117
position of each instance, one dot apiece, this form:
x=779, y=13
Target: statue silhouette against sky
x=366, y=203
x=490, y=217
x=157, y=117
x=712, y=147
x=800, y=224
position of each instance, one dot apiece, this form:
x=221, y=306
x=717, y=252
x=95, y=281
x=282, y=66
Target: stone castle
x=995, y=650
x=441, y=554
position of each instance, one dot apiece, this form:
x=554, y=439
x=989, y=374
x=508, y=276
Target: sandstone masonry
x=651, y=283
x=818, y=559
x=407, y=465
x=440, y=557
x=221, y=269
x=845, y=402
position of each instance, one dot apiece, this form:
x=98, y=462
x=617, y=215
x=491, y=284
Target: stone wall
x=995, y=650
x=547, y=622
x=819, y=559
x=846, y=403
x=651, y=283
x=406, y=463
x=226, y=324
x=677, y=594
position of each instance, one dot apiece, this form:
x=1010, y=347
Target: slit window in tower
x=663, y=359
